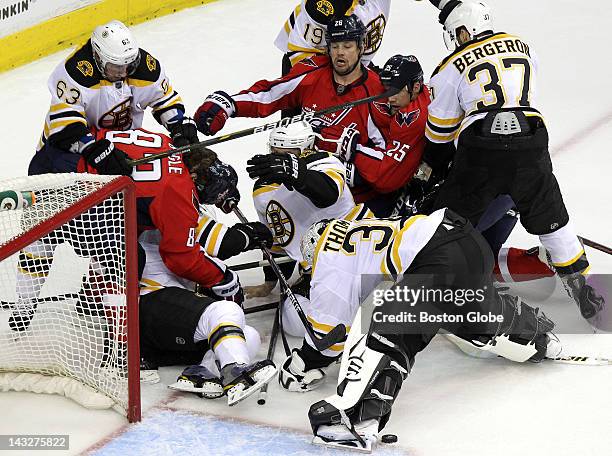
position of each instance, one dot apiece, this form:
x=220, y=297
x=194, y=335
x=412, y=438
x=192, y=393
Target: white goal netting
x=63, y=292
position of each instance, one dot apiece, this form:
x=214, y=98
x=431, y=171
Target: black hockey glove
x=256, y=233
x=184, y=132
x=219, y=186
x=104, y=157
x=277, y=169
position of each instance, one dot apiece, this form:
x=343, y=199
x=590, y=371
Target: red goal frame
x=125, y=186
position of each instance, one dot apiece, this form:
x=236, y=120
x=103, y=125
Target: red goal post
x=69, y=289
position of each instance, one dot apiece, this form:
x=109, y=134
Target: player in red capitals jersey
x=312, y=84
x=169, y=192
x=387, y=170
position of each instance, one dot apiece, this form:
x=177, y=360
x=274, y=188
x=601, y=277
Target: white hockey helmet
x=310, y=239
x=115, y=49
x=298, y=135
x=474, y=15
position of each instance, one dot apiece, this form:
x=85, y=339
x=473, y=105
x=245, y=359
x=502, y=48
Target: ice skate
x=199, y=380
x=242, y=380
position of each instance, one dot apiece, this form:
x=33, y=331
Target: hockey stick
x=595, y=245
x=263, y=392
x=260, y=308
x=337, y=334
x=582, y=360
x=257, y=264
x=307, y=116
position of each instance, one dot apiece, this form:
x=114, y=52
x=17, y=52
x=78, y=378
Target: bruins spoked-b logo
x=118, y=118
x=280, y=223
x=374, y=34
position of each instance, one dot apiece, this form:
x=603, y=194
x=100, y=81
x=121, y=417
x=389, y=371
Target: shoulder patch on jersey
x=405, y=119
x=148, y=69
x=80, y=67
x=325, y=8
x=85, y=67
x=381, y=107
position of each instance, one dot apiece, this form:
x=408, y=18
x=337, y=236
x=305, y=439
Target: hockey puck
x=261, y=401
x=389, y=438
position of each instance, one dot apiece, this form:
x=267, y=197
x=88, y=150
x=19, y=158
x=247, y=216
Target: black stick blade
x=336, y=335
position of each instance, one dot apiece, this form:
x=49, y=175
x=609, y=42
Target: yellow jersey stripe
x=572, y=261
x=229, y=336
x=336, y=176
x=436, y=137
x=213, y=239
x=264, y=189
x=444, y=122
x=453, y=57
x=395, y=256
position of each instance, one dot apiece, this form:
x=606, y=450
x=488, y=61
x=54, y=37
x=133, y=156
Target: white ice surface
x=451, y=404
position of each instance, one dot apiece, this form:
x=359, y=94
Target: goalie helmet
x=310, y=239
x=298, y=135
x=114, y=48
x=475, y=16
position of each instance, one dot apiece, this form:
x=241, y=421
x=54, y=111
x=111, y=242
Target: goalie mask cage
x=69, y=289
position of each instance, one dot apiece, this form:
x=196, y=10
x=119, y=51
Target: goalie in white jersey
x=484, y=102
x=441, y=252
x=297, y=186
x=107, y=83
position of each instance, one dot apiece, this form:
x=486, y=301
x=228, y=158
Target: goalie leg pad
x=367, y=391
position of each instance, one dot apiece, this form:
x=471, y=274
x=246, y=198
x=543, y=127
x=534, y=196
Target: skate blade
x=233, y=397
x=214, y=391
x=353, y=445
x=149, y=377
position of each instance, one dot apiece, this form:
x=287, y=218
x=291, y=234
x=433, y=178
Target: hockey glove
x=218, y=186
x=277, y=169
x=256, y=233
x=229, y=288
x=340, y=142
x=184, y=132
x=214, y=112
x=105, y=158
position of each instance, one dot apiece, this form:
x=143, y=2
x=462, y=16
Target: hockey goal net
x=68, y=289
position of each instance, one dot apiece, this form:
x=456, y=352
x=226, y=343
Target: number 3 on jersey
x=495, y=95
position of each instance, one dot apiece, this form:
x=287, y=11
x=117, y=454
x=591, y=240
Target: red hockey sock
x=520, y=265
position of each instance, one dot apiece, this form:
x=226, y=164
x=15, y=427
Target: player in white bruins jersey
x=297, y=186
x=484, y=102
x=441, y=256
x=106, y=84
x=303, y=34
x=180, y=326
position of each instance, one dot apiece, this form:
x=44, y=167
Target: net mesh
x=63, y=295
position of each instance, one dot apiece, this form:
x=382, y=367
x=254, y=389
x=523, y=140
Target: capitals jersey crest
x=405, y=119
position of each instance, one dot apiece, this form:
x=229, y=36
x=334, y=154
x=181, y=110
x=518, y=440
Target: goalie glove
x=214, y=112
x=277, y=169
x=105, y=158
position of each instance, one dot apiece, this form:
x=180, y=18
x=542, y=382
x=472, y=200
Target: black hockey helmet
x=401, y=71
x=345, y=28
